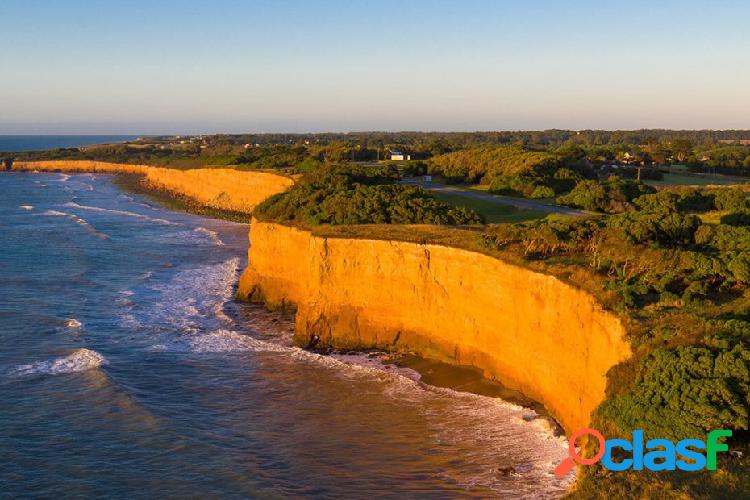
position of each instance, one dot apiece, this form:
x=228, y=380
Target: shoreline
x=135, y=183
x=433, y=372
x=460, y=378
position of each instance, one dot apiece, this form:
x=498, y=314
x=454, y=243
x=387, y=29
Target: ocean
x=127, y=370
x=42, y=142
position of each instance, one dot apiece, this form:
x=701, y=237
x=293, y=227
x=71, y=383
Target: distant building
x=427, y=178
x=399, y=156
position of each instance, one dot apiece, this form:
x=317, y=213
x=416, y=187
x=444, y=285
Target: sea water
x=127, y=370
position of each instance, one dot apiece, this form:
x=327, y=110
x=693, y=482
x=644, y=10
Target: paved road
x=505, y=200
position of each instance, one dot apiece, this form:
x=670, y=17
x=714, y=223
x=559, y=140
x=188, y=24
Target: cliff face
x=220, y=188
x=529, y=330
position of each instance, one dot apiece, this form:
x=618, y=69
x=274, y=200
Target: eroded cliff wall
x=221, y=188
x=529, y=330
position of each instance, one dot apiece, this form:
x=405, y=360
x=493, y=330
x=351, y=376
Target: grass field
x=697, y=180
x=493, y=213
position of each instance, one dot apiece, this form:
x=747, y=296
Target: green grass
x=493, y=212
x=696, y=180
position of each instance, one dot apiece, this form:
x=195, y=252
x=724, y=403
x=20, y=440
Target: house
x=399, y=156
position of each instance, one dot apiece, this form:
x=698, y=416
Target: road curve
x=505, y=200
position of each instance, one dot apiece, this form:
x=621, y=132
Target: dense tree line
x=700, y=150
x=344, y=195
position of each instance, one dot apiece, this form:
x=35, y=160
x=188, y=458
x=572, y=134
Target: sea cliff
x=529, y=330
x=220, y=188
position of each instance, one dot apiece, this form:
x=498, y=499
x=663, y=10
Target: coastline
x=552, y=342
x=461, y=378
x=174, y=200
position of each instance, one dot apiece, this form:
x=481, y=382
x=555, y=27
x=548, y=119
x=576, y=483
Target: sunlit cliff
x=220, y=188
x=529, y=330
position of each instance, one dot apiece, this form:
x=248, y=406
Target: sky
x=161, y=66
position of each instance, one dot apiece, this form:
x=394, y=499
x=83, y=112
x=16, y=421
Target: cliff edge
x=220, y=188
x=528, y=330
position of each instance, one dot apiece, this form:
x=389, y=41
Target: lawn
x=493, y=213
x=697, y=180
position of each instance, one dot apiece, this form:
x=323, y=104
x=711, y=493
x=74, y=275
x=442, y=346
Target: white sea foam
x=199, y=236
x=78, y=361
x=26, y=207
x=77, y=220
x=191, y=302
x=63, y=177
x=72, y=323
x=219, y=341
x=212, y=235
x=126, y=213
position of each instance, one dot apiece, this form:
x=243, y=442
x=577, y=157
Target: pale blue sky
x=280, y=65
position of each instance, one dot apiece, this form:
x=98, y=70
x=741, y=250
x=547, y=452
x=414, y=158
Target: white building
x=399, y=156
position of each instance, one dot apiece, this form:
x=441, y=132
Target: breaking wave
x=78, y=361
x=192, y=301
x=199, y=236
x=79, y=221
x=155, y=220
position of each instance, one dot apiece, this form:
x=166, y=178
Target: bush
x=414, y=168
x=683, y=199
x=733, y=200
x=350, y=196
x=665, y=228
x=612, y=196
x=685, y=392
x=542, y=192
x=500, y=185
x=736, y=219
x=483, y=164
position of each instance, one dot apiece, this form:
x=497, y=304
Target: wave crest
x=78, y=361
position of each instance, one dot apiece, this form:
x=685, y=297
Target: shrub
x=667, y=229
x=736, y=219
x=612, y=196
x=542, y=192
x=684, y=199
x=733, y=200
x=351, y=196
x=685, y=392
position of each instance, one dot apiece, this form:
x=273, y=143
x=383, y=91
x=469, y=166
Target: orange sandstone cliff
x=221, y=188
x=529, y=330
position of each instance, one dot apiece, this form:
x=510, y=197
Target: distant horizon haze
x=190, y=67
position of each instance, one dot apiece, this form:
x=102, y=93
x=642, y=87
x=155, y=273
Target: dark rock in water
x=314, y=339
x=506, y=471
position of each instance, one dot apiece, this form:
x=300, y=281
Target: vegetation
x=510, y=170
x=612, y=196
x=674, y=263
x=360, y=196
